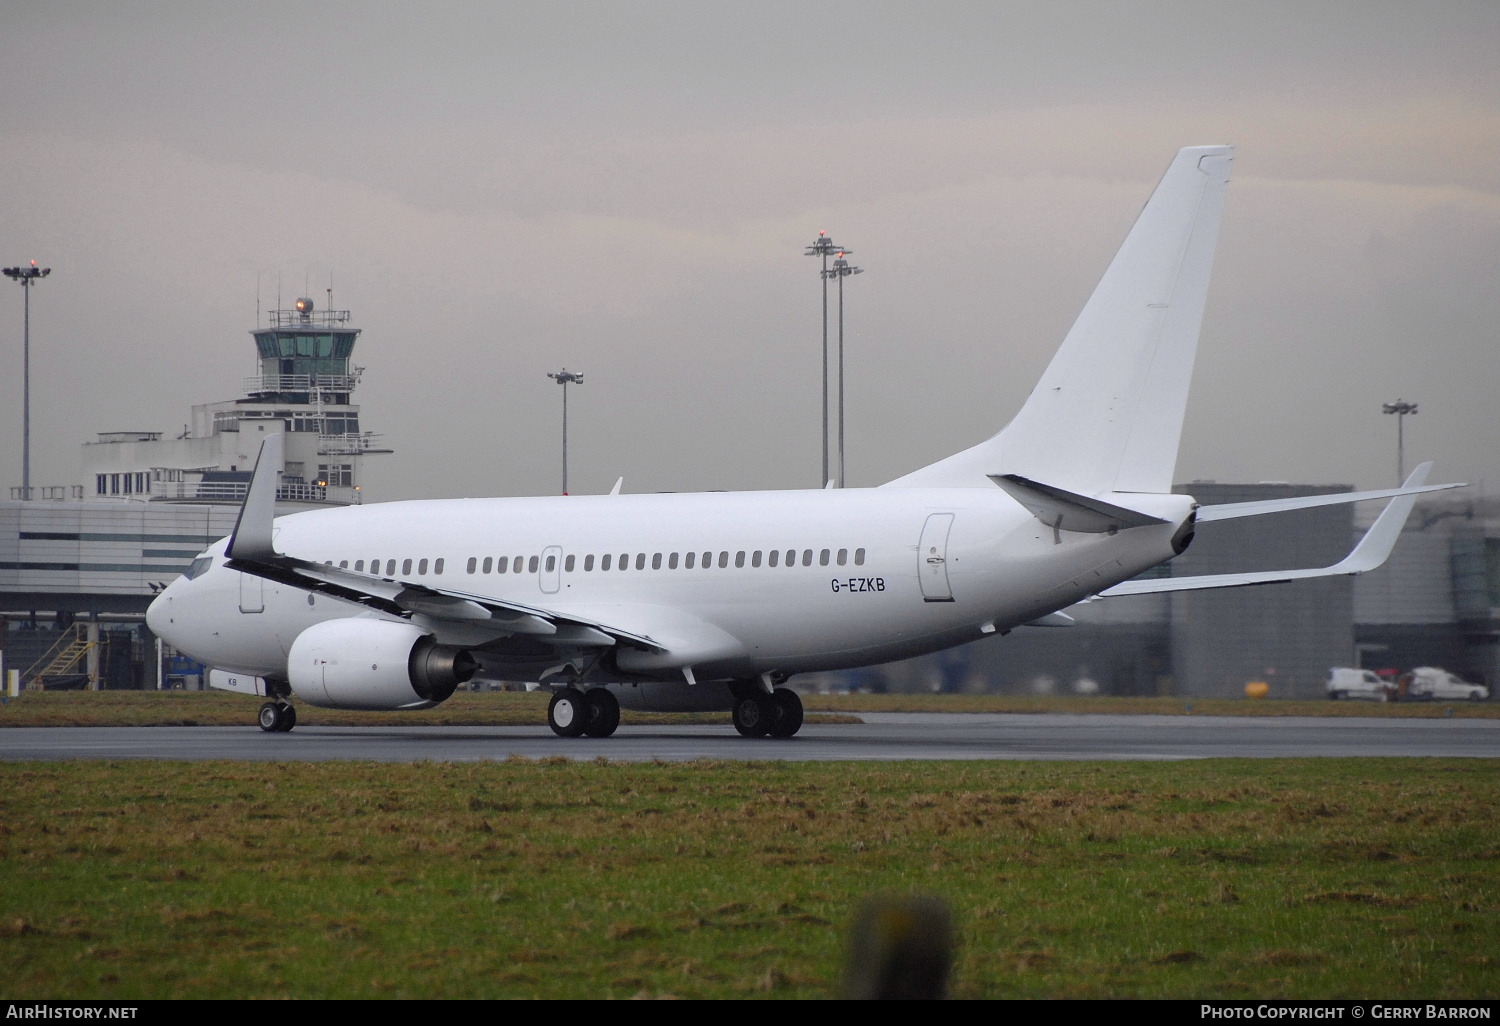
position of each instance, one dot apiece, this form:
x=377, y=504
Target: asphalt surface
x=882, y=737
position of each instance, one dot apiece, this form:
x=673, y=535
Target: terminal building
x=80, y=563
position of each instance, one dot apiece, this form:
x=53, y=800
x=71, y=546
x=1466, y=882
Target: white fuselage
x=731, y=585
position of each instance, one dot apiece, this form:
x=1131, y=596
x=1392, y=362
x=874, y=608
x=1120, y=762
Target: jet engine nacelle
x=360, y=663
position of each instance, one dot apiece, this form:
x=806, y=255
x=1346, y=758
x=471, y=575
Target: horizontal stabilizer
x=1373, y=550
x=1066, y=511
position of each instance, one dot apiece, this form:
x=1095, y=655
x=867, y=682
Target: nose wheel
x=277, y=717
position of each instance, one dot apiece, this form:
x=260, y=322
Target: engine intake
x=359, y=663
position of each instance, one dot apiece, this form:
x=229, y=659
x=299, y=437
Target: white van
x=1429, y=684
x=1346, y=682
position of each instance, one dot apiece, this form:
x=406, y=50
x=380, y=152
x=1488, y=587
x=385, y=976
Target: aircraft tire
x=569, y=713
x=754, y=715
x=269, y=718
x=788, y=713
x=288, y=718
x=604, y=712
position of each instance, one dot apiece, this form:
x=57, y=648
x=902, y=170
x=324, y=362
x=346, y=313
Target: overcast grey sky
x=497, y=190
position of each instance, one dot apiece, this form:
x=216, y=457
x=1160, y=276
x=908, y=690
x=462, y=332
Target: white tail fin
x=1107, y=413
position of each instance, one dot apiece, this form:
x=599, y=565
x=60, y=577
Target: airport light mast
x=565, y=378
x=841, y=270
x=823, y=247
x=27, y=276
x=1401, y=408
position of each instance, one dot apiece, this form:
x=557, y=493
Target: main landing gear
x=778, y=714
x=574, y=713
x=277, y=717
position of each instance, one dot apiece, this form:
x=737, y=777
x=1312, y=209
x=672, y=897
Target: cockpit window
x=199, y=567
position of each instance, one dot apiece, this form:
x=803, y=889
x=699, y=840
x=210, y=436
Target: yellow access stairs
x=61, y=658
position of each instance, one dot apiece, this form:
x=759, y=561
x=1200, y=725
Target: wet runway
x=882, y=737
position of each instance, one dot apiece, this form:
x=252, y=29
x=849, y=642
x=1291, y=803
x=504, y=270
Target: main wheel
x=604, y=708
x=754, y=715
x=288, y=718
x=270, y=718
x=788, y=713
x=568, y=715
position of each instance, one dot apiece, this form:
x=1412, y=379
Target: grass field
x=1259, y=878
x=511, y=708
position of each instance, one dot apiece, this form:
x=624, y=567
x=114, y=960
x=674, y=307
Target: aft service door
x=550, y=572
x=932, y=558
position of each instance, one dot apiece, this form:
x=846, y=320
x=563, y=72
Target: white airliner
x=691, y=602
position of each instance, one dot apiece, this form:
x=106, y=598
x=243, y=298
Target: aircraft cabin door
x=252, y=594
x=550, y=572
x=932, y=558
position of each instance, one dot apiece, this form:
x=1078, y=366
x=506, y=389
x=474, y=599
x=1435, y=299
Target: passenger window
x=406, y=568
x=488, y=565
x=739, y=558
x=640, y=561
x=624, y=561
x=843, y=556
x=535, y=560
x=791, y=557
x=672, y=561
x=359, y=566
x=588, y=563
x=773, y=557
x=823, y=558
x=568, y=563
x=422, y=566
x=655, y=560
x=473, y=563
x=755, y=558
x=604, y=561
x=723, y=560
x=343, y=564
x=708, y=560
x=519, y=563
x=807, y=557
x=437, y=565
x=859, y=557
x=551, y=563
x=687, y=561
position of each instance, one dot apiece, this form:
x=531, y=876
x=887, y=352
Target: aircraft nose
x=158, y=613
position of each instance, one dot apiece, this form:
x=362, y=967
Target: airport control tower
x=304, y=386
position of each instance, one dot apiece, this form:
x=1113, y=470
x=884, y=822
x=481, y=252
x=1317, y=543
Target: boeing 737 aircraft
x=691, y=602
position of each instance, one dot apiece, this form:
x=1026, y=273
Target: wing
x=1373, y=550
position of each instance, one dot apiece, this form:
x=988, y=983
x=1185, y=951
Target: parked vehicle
x=1430, y=684
x=1346, y=682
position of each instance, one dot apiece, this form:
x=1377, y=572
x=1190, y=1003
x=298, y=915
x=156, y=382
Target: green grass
x=1232, y=878
x=512, y=708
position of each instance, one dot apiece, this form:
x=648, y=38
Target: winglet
x=252, y=531
x=1373, y=550
x=1375, y=547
